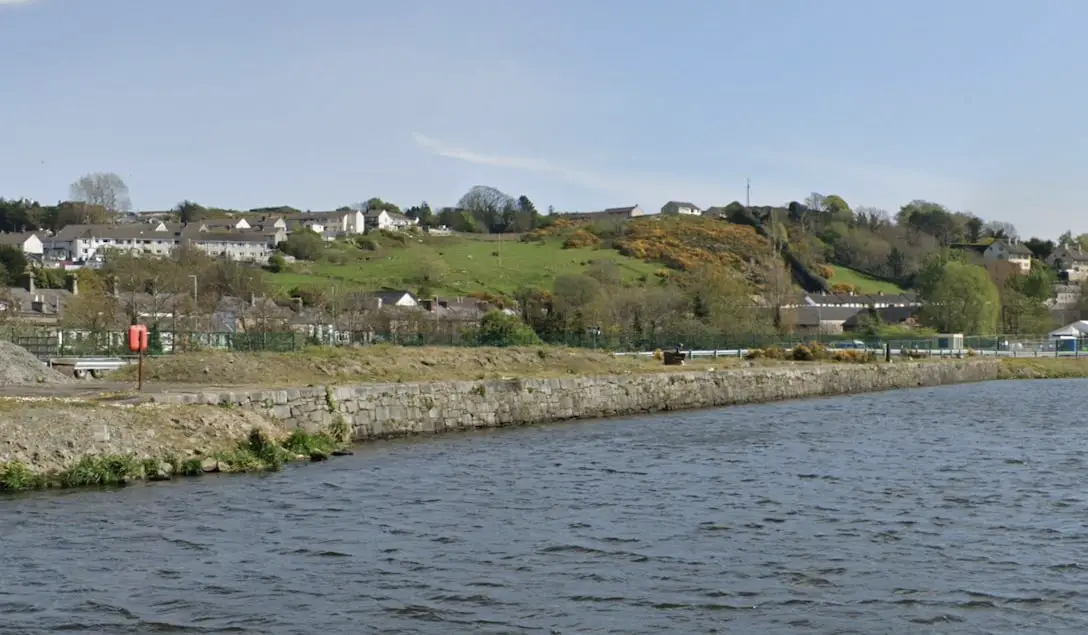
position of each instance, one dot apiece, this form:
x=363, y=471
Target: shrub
x=766, y=353
x=304, y=245
x=499, y=329
x=367, y=243
x=843, y=287
x=581, y=238
x=854, y=356
x=397, y=237
x=824, y=271
x=276, y=263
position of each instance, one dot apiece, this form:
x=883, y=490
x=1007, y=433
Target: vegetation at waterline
x=258, y=453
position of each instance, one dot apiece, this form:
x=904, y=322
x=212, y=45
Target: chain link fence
x=46, y=342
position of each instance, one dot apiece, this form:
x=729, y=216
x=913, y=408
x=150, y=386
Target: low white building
x=681, y=208
x=339, y=222
x=1076, y=329
x=81, y=243
x=382, y=219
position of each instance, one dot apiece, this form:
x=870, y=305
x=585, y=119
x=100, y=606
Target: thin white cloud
x=648, y=190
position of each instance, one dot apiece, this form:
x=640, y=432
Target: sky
x=579, y=105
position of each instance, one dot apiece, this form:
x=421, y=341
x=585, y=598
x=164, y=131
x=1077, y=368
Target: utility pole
x=747, y=192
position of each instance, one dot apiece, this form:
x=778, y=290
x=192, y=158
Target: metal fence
x=51, y=342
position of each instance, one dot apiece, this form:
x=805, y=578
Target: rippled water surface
x=950, y=510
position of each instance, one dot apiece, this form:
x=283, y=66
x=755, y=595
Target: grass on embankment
x=1043, y=367
x=385, y=363
x=863, y=282
x=257, y=453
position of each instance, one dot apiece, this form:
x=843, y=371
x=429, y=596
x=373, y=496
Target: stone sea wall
x=376, y=411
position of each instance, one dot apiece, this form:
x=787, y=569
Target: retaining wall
x=388, y=410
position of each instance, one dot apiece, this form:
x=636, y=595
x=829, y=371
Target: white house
x=621, y=213
x=681, y=208
x=86, y=242
x=29, y=242
x=382, y=219
x=396, y=298
x=1014, y=253
x=226, y=225
x=340, y=222
x=315, y=225
x=90, y=242
x=242, y=246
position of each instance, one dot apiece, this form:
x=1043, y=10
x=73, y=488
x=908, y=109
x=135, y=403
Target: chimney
x=30, y=282
x=73, y=283
x=252, y=299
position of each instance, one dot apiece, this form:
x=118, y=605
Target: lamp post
x=594, y=331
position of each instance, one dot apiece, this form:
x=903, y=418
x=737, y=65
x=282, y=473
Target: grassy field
x=395, y=364
x=458, y=265
x=863, y=282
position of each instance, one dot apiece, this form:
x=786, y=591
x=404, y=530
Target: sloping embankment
x=387, y=410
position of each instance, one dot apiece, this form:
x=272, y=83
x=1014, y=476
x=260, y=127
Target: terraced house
x=87, y=243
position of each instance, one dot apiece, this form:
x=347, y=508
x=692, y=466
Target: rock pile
x=19, y=367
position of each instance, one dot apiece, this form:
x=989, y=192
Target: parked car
x=848, y=344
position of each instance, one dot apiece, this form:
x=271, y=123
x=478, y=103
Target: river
x=958, y=509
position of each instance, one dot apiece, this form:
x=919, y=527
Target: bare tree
x=1001, y=231
x=103, y=189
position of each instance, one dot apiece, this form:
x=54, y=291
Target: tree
x=574, y=299
x=930, y=218
x=304, y=245
x=526, y=214
x=974, y=226
x=189, y=212
x=959, y=298
x=104, y=189
x=14, y=264
x=815, y=202
x=276, y=263
x=376, y=204
x=1001, y=231
x=837, y=209
x=722, y=299
x=430, y=272
x=1040, y=249
x=422, y=213
x=897, y=263
x=499, y=329
x=490, y=208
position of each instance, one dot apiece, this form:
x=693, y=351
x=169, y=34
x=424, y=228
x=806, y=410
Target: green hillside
x=452, y=265
x=864, y=283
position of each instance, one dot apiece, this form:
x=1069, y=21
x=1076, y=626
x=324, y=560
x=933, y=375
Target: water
x=949, y=510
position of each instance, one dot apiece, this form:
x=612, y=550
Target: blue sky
x=578, y=104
